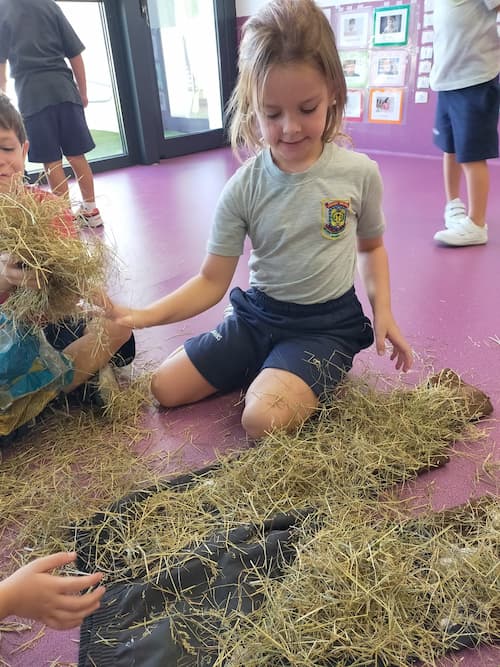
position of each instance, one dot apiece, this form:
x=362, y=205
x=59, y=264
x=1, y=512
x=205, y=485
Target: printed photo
x=388, y=68
x=354, y=105
x=352, y=29
x=390, y=25
x=386, y=105
x=355, y=66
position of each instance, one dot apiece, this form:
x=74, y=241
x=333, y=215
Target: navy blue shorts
x=467, y=122
x=316, y=342
x=63, y=333
x=57, y=130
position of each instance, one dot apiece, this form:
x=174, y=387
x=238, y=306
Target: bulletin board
x=386, y=54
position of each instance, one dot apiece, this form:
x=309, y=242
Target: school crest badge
x=333, y=217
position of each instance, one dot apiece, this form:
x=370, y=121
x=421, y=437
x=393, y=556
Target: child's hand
x=127, y=317
x=33, y=592
x=12, y=274
x=386, y=328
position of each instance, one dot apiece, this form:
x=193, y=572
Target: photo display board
x=386, y=54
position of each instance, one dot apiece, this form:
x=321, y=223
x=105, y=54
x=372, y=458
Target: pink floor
x=445, y=300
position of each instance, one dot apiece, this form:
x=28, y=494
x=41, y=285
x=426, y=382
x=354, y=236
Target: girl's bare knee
x=160, y=389
x=254, y=425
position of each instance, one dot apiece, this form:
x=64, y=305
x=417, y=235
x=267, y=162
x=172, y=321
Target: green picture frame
x=390, y=25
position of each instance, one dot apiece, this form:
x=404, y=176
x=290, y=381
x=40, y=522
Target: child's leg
x=94, y=349
x=277, y=399
x=57, y=178
x=84, y=176
x=452, y=173
x=478, y=185
x=178, y=382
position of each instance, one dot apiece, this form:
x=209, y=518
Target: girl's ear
x=25, y=147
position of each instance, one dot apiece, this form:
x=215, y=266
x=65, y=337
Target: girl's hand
x=386, y=328
x=33, y=592
x=127, y=317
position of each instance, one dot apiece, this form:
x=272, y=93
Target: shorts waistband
x=267, y=302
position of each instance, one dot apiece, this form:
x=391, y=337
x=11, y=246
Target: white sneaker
x=88, y=218
x=463, y=233
x=454, y=212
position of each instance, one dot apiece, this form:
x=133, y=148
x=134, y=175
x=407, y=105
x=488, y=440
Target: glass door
x=187, y=66
x=190, y=40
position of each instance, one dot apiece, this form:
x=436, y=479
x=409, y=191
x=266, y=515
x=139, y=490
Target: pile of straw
x=368, y=585
x=69, y=465
x=69, y=270
x=362, y=444
x=371, y=588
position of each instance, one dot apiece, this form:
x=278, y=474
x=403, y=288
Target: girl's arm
x=373, y=267
x=33, y=592
x=193, y=297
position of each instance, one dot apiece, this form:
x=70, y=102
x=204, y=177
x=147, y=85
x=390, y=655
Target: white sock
x=89, y=205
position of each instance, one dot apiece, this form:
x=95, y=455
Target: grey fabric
x=303, y=227
x=466, y=44
x=36, y=37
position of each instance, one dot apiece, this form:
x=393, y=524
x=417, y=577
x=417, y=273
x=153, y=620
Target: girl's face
x=292, y=117
x=12, y=157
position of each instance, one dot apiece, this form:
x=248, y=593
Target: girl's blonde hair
x=283, y=32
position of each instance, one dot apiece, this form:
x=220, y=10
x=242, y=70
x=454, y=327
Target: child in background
x=465, y=74
x=36, y=38
x=310, y=209
x=33, y=592
x=34, y=368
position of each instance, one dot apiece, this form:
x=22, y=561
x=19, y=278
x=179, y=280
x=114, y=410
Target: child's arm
x=78, y=67
x=193, y=297
x=374, y=270
x=33, y=592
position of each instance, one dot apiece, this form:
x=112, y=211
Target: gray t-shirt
x=36, y=37
x=302, y=227
x=466, y=44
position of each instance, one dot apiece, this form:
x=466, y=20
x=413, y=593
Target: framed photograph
x=352, y=30
x=386, y=105
x=354, y=105
x=355, y=66
x=390, y=25
x=388, y=68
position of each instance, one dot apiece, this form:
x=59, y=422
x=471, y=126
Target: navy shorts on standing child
x=59, y=129
x=467, y=122
x=315, y=342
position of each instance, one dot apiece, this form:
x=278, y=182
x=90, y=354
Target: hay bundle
x=368, y=586
x=371, y=588
x=68, y=269
x=363, y=443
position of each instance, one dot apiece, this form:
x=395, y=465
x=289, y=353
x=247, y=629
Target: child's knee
x=255, y=423
x=161, y=388
x=268, y=412
x=259, y=419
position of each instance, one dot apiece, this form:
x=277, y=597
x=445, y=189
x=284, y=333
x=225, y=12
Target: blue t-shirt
x=28, y=363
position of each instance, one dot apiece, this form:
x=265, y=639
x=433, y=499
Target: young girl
x=307, y=205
